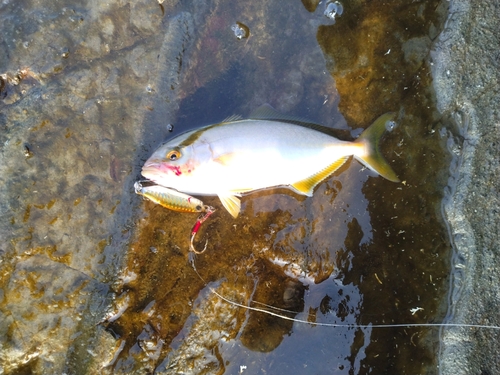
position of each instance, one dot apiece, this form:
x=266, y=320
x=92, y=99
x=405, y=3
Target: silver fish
x=238, y=156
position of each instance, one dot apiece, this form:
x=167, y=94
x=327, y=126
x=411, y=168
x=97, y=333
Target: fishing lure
x=177, y=201
x=210, y=210
x=169, y=198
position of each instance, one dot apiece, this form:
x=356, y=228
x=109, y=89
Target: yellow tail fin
x=373, y=159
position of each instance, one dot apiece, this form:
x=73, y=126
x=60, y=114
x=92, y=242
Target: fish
x=168, y=198
x=238, y=156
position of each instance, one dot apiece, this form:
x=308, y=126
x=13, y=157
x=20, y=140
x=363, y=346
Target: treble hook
x=209, y=211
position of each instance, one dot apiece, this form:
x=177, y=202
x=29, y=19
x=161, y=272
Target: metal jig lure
x=176, y=201
x=169, y=198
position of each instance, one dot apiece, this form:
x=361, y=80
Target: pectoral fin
x=306, y=187
x=225, y=159
x=231, y=203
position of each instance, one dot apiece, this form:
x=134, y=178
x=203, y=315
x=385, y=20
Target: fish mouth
x=150, y=173
x=151, y=168
x=152, y=163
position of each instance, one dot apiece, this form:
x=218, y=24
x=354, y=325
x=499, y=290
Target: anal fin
x=306, y=187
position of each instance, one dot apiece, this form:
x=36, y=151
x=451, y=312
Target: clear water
x=78, y=244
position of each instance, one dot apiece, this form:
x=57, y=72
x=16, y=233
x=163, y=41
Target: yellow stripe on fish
x=238, y=156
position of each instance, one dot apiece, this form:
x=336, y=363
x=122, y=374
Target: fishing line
x=274, y=307
x=337, y=325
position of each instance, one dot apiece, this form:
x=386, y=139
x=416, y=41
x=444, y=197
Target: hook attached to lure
x=177, y=201
x=208, y=211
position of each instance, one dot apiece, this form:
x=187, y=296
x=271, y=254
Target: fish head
x=170, y=165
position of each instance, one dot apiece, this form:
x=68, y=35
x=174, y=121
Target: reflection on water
x=363, y=250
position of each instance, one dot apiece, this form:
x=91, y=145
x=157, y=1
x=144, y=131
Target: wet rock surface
x=70, y=143
x=94, y=280
x=466, y=78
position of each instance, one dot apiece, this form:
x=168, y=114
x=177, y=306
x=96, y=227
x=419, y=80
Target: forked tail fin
x=372, y=157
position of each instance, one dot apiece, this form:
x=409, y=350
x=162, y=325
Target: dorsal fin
x=306, y=187
x=266, y=112
x=232, y=118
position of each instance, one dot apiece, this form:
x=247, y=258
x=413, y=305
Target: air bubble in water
x=332, y=9
x=240, y=30
x=65, y=53
x=390, y=125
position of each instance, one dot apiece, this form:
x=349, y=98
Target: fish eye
x=173, y=155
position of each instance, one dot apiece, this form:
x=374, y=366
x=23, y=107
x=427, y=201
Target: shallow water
x=363, y=250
